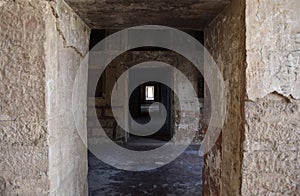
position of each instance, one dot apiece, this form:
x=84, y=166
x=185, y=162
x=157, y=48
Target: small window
x=149, y=93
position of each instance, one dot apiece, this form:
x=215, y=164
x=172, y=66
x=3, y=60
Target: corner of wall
x=67, y=43
x=225, y=40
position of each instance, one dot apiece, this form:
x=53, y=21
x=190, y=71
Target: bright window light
x=149, y=93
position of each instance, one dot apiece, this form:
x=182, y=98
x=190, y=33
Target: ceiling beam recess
x=119, y=14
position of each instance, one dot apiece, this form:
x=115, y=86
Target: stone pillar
x=67, y=42
x=271, y=163
x=42, y=45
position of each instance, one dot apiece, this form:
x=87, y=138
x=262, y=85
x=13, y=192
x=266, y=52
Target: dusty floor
x=183, y=176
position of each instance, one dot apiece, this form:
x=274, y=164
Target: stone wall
x=271, y=161
x=42, y=44
x=120, y=65
x=67, y=41
x=23, y=124
x=273, y=48
x=225, y=40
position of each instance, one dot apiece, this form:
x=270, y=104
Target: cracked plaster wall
x=273, y=48
x=42, y=44
x=271, y=161
x=67, y=41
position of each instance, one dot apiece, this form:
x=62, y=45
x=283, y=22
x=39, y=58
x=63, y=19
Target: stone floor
x=183, y=176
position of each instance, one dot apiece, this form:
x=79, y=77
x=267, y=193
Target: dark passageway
x=182, y=176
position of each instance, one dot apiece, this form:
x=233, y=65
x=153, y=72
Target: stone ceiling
x=118, y=14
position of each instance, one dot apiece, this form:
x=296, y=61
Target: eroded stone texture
x=39, y=60
x=271, y=161
x=2, y=186
x=271, y=147
x=273, y=48
x=66, y=44
x=23, y=132
x=225, y=40
x=271, y=157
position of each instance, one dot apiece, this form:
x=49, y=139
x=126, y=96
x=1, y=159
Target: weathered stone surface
x=39, y=60
x=271, y=161
x=66, y=44
x=103, y=14
x=23, y=133
x=225, y=40
x=2, y=186
x=273, y=48
x=271, y=147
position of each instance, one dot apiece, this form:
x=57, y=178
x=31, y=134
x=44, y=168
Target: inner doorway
x=142, y=99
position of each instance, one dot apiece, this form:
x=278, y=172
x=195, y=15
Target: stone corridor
x=45, y=74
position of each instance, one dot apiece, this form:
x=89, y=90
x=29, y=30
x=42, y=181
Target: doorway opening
x=142, y=99
x=181, y=176
x=224, y=26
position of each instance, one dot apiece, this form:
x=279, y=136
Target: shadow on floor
x=183, y=176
